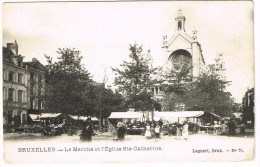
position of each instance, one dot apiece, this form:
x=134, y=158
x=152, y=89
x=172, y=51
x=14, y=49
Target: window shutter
x=24, y=97
x=23, y=81
x=14, y=95
x=14, y=77
x=5, y=74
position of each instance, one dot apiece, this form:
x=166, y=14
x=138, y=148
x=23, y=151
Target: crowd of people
x=154, y=130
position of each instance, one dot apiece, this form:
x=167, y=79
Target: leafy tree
x=206, y=92
x=106, y=101
x=68, y=84
x=134, y=79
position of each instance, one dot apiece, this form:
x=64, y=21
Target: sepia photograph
x=128, y=82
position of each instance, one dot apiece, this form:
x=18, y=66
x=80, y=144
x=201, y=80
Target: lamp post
x=100, y=112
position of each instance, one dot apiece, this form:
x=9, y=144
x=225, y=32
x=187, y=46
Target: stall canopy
x=75, y=117
x=49, y=115
x=119, y=115
x=178, y=114
x=237, y=115
x=34, y=117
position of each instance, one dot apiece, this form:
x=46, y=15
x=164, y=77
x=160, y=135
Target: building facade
x=17, y=86
x=248, y=104
x=15, y=80
x=184, y=52
x=182, y=49
x=36, y=86
x=219, y=67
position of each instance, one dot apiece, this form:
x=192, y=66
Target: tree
x=206, y=92
x=134, y=80
x=106, y=101
x=176, y=79
x=68, y=84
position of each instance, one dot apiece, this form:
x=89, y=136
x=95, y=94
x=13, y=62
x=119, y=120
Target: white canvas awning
x=49, y=115
x=178, y=114
x=75, y=117
x=118, y=115
x=34, y=117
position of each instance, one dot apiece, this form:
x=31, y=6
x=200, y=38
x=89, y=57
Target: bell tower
x=180, y=21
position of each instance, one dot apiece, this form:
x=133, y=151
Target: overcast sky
x=103, y=32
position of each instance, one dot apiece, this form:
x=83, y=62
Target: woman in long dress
x=147, y=132
x=185, y=131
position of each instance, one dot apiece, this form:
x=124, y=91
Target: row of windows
x=14, y=77
x=11, y=76
x=19, y=96
x=14, y=95
x=14, y=117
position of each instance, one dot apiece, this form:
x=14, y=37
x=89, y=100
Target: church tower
x=180, y=21
x=182, y=50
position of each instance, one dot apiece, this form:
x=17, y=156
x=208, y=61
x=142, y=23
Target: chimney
x=13, y=47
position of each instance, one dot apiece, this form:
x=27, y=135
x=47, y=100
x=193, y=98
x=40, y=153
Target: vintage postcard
x=128, y=82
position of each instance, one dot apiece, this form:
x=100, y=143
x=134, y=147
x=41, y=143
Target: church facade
x=184, y=52
x=183, y=49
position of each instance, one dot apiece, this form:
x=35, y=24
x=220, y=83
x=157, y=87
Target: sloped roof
x=35, y=64
x=7, y=53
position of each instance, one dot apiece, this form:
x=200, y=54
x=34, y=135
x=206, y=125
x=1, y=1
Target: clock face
x=181, y=62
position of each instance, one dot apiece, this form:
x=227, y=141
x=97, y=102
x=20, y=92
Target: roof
x=75, y=117
x=35, y=64
x=178, y=114
x=49, y=115
x=118, y=115
x=7, y=53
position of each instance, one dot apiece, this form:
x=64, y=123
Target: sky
x=102, y=31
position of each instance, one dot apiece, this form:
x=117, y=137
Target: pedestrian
x=121, y=131
x=87, y=131
x=147, y=132
x=152, y=130
x=185, y=131
x=223, y=128
x=242, y=128
x=231, y=127
x=178, y=132
x=157, y=132
x=114, y=133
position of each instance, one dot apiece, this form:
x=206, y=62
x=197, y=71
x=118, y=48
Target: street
x=135, y=148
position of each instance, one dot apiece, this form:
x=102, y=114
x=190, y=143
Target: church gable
x=179, y=42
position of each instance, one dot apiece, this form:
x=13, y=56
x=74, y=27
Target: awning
x=49, y=115
x=237, y=115
x=118, y=115
x=34, y=117
x=75, y=117
x=178, y=114
x=215, y=115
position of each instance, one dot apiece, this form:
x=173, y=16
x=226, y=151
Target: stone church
x=183, y=49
